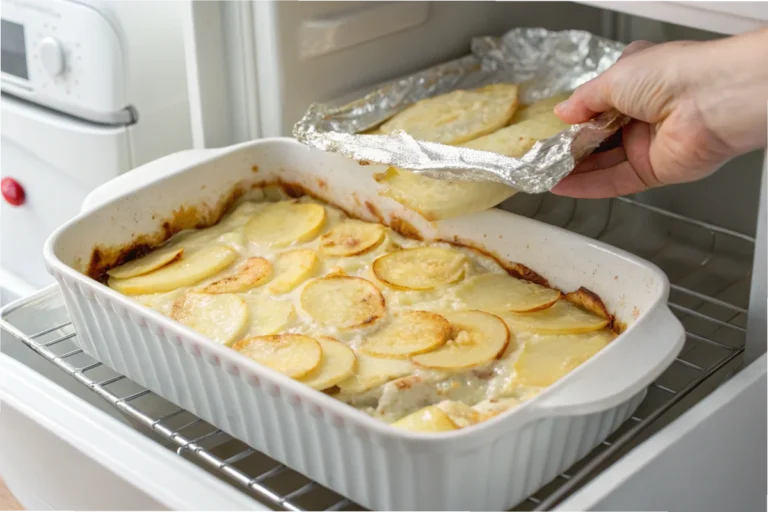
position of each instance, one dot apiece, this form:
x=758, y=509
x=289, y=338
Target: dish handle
x=142, y=175
x=622, y=370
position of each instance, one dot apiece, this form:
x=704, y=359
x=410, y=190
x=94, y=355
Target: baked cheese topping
x=426, y=336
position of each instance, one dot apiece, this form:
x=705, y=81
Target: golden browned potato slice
x=291, y=268
x=149, y=263
x=516, y=139
x=477, y=338
x=409, y=333
x=185, y=272
x=337, y=364
x=494, y=292
x=436, y=199
x=457, y=116
x=343, y=301
x=549, y=358
x=267, y=316
x=372, y=372
x=351, y=238
x=285, y=223
x=562, y=318
x=249, y=274
x=294, y=355
x=586, y=299
x=430, y=419
x=421, y=268
x=541, y=107
x=222, y=318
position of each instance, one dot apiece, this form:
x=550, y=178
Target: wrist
x=732, y=94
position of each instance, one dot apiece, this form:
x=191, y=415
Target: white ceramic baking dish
x=491, y=466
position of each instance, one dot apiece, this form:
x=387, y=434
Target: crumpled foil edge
x=544, y=62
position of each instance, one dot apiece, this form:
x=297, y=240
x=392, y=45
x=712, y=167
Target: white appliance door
x=723, y=17
x=710, y=459
x=61, y=453
x=255, y=67
x=57, y=160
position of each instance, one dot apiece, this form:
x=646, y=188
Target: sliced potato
x=149, y=263
x=457, y=116
x=160, y=302
x=291, y=268
x=337, y=364
x=351, y=237
x=185, y=272
x=517, y=139
x=342, y=301
x=372, y=372
x=222, y=317
x=460, y=413
x=267, y=316
x=549, y=358
x=409, y=333
x=465, y=416
x=429, y=419
x=241, y=214
x=541, y=107
x=192, y=240
x=495, y=292
x=422, y=268
x=487, y=409
x=477, y=338
x=233, y=238
x=436, y=199
x=249, y=274
x=285, y=223
x=294, y=355
x=562, y=318
x=587, y=299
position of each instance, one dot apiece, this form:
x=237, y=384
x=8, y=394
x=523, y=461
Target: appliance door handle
x=143, y=175
x=622, y=370
x=332, y=33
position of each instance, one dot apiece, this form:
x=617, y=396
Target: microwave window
x=14, y=50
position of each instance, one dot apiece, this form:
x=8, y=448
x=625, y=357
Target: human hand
x=693, y=106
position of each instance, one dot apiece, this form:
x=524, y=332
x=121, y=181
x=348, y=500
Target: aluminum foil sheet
x=542, y=62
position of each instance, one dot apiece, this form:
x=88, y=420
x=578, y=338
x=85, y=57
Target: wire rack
x=708, y=267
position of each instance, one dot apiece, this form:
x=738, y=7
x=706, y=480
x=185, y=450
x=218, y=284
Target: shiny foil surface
x=542, y=62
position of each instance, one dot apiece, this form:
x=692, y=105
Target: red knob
x=12, y=191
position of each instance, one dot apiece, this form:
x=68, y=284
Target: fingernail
x=560, y=107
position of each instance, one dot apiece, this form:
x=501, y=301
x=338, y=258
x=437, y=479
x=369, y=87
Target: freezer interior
x=702, y=235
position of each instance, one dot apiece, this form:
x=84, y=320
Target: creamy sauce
x=480, y=392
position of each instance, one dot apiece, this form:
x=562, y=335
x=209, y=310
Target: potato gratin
x=489, y=118
x=426, y=336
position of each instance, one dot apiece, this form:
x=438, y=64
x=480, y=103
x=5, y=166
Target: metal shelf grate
x=708, y=297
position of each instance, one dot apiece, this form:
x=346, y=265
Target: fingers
x=618, y=172
x=599, y=161
x=619, y=180
x=585, y=103
x=594, y=97
x=636, y=46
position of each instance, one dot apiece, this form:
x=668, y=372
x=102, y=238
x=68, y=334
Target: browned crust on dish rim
x=104, y=258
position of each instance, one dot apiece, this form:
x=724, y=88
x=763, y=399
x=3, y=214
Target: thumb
x=594, y=97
